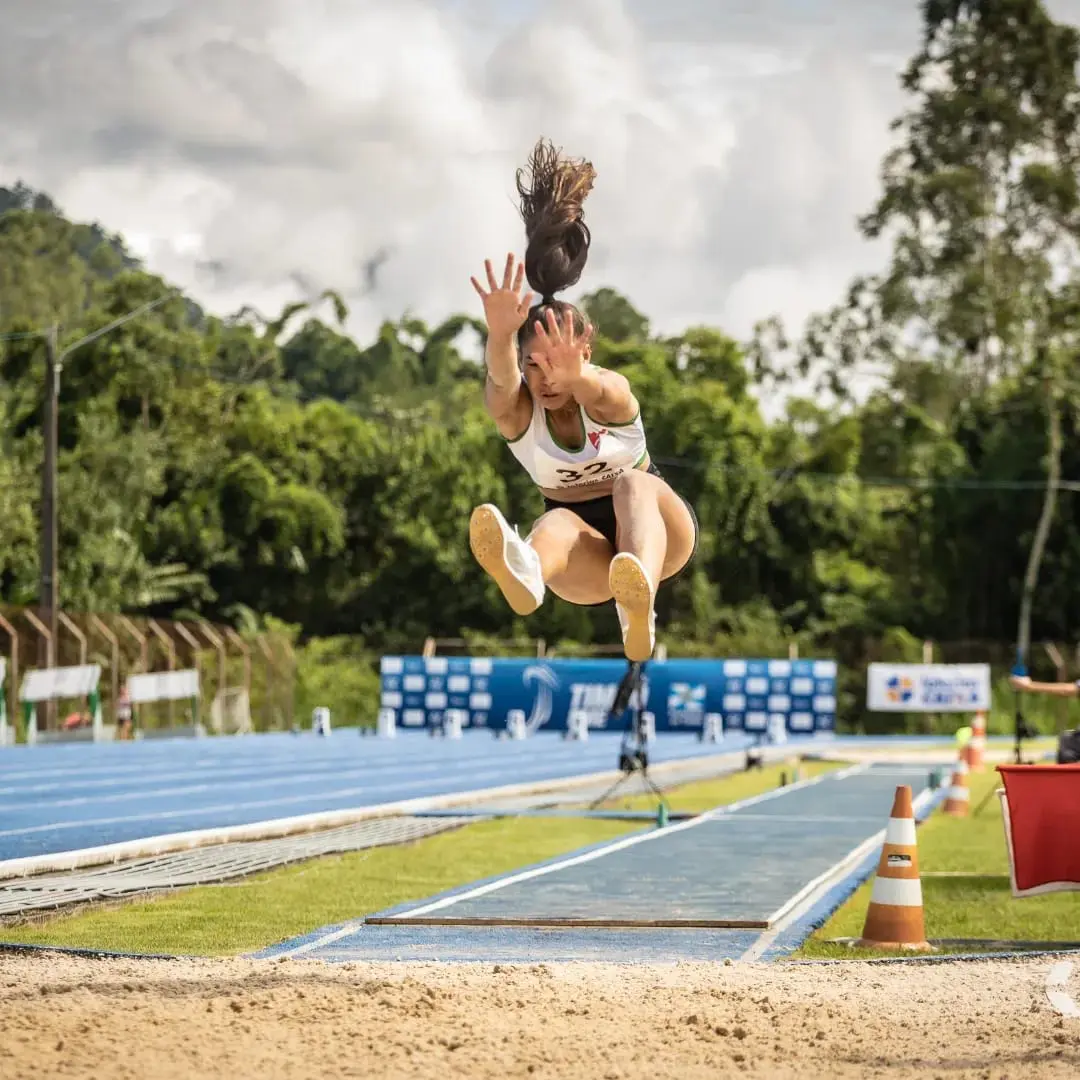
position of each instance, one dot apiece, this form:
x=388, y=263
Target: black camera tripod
x=634, y=750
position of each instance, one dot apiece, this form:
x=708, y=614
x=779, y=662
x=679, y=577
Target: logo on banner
x=686, y=703
x=900, y=689
x=546, y=682
x=927, y=687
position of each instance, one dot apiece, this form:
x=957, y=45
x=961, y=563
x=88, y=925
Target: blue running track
x=64, y=798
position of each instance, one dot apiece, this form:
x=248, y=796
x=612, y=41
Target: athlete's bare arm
x=1054, y=689
x=605, y=395
x=505, y=394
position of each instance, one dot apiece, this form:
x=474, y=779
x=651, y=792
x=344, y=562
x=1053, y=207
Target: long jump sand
x=73, y=1017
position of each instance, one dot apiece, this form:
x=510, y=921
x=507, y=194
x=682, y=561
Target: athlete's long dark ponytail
x=553, y=189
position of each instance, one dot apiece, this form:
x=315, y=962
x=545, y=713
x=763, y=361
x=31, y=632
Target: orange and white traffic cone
x=958, y=800
x=976, y=748
x=894, y=919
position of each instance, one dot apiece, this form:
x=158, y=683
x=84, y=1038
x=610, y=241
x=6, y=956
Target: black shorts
x=600, y=515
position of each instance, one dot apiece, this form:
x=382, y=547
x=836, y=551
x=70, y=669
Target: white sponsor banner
x=927, y=687
x=53, y=684
x=163, y=686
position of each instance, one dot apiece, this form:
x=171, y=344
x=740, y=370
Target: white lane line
x=151, y=772
x=317, y=943
x=198, y=811
x=1061, y=1000
x=147, y=771
x=309, y=780
x=148, y=780
x=815, y=818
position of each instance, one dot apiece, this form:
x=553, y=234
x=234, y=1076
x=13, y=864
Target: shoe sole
x=630, y=588
x=488, y=547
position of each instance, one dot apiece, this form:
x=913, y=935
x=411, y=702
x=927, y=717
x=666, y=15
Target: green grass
x=256, y=911
x=980, y=906
x=249, y=914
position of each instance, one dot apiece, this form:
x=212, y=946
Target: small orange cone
x=976, y=748
x=959, y=797
x=894, y=919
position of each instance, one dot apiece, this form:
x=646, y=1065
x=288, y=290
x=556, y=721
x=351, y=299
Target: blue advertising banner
x=795, y=696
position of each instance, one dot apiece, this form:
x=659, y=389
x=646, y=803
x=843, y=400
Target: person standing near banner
x=125, y=715
x=1068, y=752
x=1024, y=685
x=613, y=528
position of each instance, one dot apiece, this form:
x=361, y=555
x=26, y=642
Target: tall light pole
x=49, y=425
x=49, y=593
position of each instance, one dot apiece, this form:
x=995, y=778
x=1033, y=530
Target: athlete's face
x=535, y=378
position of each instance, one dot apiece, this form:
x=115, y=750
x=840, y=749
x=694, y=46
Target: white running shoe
x=513, y=564
x=633, y=593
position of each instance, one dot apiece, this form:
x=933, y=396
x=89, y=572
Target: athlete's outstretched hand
x=504, y=307
x=560, y=351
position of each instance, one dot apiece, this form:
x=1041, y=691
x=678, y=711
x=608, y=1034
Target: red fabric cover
x=1043, y=807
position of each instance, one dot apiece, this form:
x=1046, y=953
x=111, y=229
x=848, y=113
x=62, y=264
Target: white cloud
x=247, y=147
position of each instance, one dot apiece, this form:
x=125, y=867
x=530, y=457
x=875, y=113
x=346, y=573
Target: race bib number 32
x=573, y=476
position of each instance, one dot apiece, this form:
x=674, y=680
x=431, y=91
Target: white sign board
x=163, y=686
x=52, y=684
x=3, y=670
x=928, y=687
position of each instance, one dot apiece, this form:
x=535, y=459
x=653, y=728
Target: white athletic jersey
x=607, y=450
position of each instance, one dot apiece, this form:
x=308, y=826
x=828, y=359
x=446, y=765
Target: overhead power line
x=790, y=473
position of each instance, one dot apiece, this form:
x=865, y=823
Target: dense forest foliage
x=252, y=468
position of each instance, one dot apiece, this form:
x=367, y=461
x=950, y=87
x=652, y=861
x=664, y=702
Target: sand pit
x=67, y=1017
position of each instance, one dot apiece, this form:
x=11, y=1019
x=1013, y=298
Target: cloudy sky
x=251, y=150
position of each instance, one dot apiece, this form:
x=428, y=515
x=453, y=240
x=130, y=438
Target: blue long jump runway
x=737, y=883
x=734, y=868
x=65, y=798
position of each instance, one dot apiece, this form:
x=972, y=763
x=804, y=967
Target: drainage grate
x=208, y=865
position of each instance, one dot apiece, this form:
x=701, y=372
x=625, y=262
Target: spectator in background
x=1024, y=684
x=1068, y=741
x=124, y=715
x=78, y=718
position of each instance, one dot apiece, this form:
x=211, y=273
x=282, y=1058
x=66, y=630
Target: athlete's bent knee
x=629, y=483
x=560, y=522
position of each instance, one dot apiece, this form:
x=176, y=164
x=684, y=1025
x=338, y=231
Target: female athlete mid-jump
x=613, y=527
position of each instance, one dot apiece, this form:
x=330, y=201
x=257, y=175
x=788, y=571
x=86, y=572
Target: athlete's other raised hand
x=504, y=307
x=560, y=351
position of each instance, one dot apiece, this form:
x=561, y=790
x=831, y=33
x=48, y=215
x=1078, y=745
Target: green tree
x=980, y=196
x=615, y=317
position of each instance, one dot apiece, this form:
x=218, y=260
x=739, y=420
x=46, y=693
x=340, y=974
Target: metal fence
x=266, y=669
x=261, y=666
